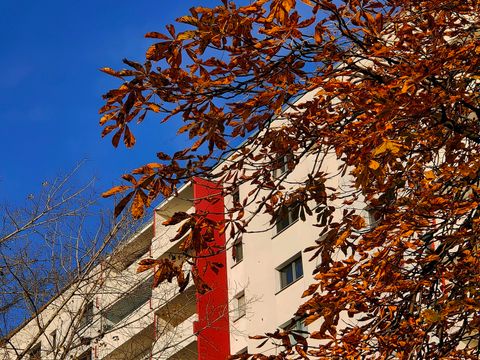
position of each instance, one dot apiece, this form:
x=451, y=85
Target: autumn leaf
x=378, y=108
x=128, y=138
x=154, y=107
x=374, y=165
x=121, y=205
x=156, y=35
x=188, y=20
x=311, y=289
x=109, y=71
x=115, y=190
x=388, y=145
x=176, y=218
x=138, y=205
x=186, y=35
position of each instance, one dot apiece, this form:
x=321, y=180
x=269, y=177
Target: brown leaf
x=186, y=35
x=116, y=137
x=311, y=289
x=156, y=35
x=188, y=20
x=176, y=218
x=138, y=205
x=128, y=138
x=154, y=107
x=121, y=205
x=109, y=71
x=115, y=190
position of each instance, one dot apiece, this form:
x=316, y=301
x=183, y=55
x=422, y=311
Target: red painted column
x=212, y=327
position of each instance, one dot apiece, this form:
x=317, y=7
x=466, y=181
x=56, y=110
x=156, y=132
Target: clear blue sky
x=50, y=87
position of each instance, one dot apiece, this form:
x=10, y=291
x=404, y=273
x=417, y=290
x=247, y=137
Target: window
x=287, y=217
x=236, y=196
x=127, y=304
x=36, y=352
x=374, y=217
x=238, y=250
x=281, y=166
x=53, y=339
x=291, y=272
x=87, y=316
x=243, y=351
x=297, y=327
x=87, y=355
x=239, y=305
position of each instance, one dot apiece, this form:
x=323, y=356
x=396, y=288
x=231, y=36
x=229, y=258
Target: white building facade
x=113, y=313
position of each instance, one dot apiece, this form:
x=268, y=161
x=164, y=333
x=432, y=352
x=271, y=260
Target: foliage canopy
x=396, y=98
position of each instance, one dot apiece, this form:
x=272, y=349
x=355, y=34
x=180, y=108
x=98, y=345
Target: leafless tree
x=69, y=286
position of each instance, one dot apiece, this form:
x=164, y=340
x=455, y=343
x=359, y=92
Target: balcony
x=131, y=251
x=137, y=347
x=146, y=355
x=127, y=305
x=179, y=308
x=173, y=341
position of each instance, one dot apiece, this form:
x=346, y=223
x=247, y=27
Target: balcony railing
x=146, y=355
x=126, y=305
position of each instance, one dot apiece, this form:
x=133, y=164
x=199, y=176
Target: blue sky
x=51, y=88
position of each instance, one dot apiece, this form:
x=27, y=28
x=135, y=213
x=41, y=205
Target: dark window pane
x=282, y=224
x=36, y=352
x=298, y=268
x=236, y=196
x=294, y=213
x=87, y=355
x=283, y=220
x=53, y=336
x=87, y=316
x=238, y=248
x=280, y=167
x=287, y=217
x=289, y=272
x=128, y=304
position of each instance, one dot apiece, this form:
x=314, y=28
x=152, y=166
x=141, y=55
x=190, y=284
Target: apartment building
x=114, y=314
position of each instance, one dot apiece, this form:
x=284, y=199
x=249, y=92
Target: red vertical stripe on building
x=154, y=229
x=212, y=328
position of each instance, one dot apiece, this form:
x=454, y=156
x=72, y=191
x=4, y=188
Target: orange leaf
x=154, y=107
x=109, y=71
x=188, y=20
x=311, y=289
x=138, y=204
x=176, y=218
x=128, y=138
x=186, y=35
x=374, y=165
x=121, y=205
x=115, y=190
x=156, y=35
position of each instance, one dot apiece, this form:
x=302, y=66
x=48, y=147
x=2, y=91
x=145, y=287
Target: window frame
x=242, y=351
x=238, y=245
x=53, y=339
x=86, y=355
x=87, y=315
x=291, y=214
x=281, y=166
x=297, y=326
x=236, y=196
x=36, y=352
x=240, y=306
x=290, y=264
